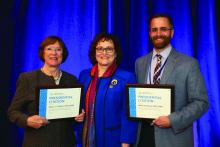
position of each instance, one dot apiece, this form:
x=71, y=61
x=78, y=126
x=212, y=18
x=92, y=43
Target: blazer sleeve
x=197, y=101
x=128, y=128
x=15, y=111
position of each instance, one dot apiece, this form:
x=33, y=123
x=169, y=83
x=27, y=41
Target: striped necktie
x=157, y=71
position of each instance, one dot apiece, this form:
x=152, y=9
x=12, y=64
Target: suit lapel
x=169, y=67
x=148, y=66
x=145, y=68
x=100, y=107
x=103, y=86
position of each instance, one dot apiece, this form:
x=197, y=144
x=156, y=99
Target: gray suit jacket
x=190, y=97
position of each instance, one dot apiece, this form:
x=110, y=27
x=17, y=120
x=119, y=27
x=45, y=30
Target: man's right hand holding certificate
x=162, y=122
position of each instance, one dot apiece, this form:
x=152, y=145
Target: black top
x=58, y=133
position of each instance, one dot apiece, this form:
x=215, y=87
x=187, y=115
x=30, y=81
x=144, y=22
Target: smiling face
x=160, y=32
x=105, y=53
x=53, y=55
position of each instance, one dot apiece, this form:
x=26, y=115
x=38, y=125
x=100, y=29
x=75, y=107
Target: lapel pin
x=113, y=82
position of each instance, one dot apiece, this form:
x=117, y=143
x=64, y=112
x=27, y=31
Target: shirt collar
x=165, y=53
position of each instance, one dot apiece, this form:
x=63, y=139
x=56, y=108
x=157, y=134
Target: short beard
x=163, y=44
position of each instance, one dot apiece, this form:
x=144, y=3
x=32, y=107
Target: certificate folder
x=145, y=101
x=59, y=102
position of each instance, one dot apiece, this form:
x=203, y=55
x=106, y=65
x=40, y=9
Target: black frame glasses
x=108, y=50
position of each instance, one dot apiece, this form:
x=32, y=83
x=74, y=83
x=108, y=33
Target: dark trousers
x=147, y=135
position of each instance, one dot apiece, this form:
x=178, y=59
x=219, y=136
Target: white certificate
x=149, y=101
x=57, y=103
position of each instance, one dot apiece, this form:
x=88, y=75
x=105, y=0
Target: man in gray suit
x=176, y=129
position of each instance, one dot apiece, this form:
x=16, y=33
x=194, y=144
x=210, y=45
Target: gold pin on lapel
x=113, y=82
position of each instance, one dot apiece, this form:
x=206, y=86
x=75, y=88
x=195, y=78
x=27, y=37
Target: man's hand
x=162, y=122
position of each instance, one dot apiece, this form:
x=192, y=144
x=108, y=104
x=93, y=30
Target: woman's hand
x=80, y=117
x=36, y=121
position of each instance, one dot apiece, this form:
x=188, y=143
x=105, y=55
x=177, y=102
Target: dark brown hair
x=104, y=37
x=161, y=15
x=51, y=40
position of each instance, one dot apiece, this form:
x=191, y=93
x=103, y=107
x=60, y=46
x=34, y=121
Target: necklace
x=57, y=79
x=57, y=76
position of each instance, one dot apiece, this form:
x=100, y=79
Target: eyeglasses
x=107, y=49
x=162, y=29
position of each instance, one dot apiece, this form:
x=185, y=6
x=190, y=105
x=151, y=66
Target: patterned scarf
x=89, y=126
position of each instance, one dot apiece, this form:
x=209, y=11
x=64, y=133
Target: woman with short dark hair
x=106, y=123
x=38, y=131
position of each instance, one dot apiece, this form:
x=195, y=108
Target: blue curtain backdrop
x=25, y=23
